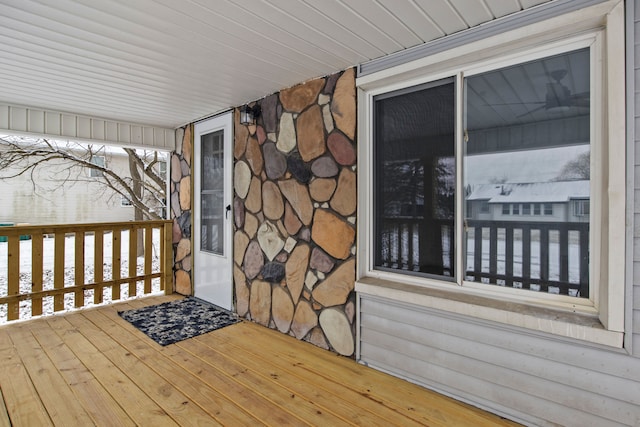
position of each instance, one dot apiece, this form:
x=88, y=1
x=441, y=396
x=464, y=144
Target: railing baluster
x=584, y=262
x=564, y=259
x=58, y=270
x=36, y=271
x=98, y=265
x=148, y=258
x=493, y=254
x=508, y=255
x=544, y=258
x=78, y=299
x=133, y=260
x=526, y=257
x=116, y=262
x=477, y=253
x=13, y=275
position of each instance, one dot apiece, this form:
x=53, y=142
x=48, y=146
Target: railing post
x=166, y=248
x=13, y=273
x=78, y=299
x=36, y=271
x=58, y=270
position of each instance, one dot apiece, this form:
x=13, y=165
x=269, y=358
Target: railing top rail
x=69, y=228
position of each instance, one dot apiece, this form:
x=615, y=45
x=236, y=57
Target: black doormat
x=174, y=321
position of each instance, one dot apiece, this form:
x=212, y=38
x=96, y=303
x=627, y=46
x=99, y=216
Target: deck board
x=92, y=367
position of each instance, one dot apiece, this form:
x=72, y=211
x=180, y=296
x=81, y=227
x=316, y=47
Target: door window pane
x=212, y=193
x=414, y=178
x=528, y=142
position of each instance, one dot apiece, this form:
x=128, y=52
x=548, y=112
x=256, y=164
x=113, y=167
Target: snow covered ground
x=69, y=270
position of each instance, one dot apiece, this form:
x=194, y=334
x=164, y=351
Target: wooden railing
x=542, y=256
x=37, y=277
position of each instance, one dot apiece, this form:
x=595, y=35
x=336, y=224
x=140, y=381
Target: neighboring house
x=296, y=222
x=557, y=201
x=47, y=197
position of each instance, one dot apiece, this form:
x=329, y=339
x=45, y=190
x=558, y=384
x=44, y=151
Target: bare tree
x=144, y=188
x=576, y=169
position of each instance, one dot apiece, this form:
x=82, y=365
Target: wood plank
x=333, y=396
x=227, y=383
x=78, y=299
x=4, y=414
x=13, y=275
x=36, y=271
x=138, y=406
x=58, y=270
x=199, y=392
x=21, y=398
x=96, y=400
x=173, y=402
x=59, y=400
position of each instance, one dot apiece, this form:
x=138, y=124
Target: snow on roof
x=554, y=191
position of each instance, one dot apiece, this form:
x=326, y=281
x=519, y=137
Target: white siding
x=636, y=234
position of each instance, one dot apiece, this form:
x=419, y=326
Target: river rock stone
x=310, y=131
x=260, y=302
x=250, y=225
x=273, y=272
x=323, y=99
x=269, y=239
x=238, y=212
x=183, y=249
x=341, y=149
x=185, y=169
x=304, y=320
x=327, y=118
x=343, y=104
x=291, y=221
x=296, y=269
x=254, y=156
x=287, y=135
x=241, y=135
x=298, y=197
x=330, y=85
x=336, y=287
x=187, y=144
x=242, y=291
x=183, y=282
x=242, y=179
x=321, y=261
x=337, y=329
x=299, y=97
x=324, y=167
x=253, y=260
x=282, y=309
x=317, y=338
x=176, y=171
x=185, y=224
x=270, y=113
x=253, y=203
x=282, y=257
x=298, y=168
x=273, y=206
x=240, y=243
x=185, y=193
x=290, y=244
x=321, y=189
x=176, y=233
x=186, y=263
x=344, y=200
x=332, y=234
x=261, y=135
x=275, y=162
x=179, y=138
x=175, y=204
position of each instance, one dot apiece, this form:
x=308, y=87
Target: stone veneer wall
x=295, y=213
x=181, y=209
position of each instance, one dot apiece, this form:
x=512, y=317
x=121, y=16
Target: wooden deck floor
x=93, y=368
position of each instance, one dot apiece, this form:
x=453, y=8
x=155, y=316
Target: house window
x=484, y=207
x=98, y=161
x=580, y=208
x=508, y=129
x=125, y=201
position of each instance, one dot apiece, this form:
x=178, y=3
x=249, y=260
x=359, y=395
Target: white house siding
x=59, y=203
x=531, y=377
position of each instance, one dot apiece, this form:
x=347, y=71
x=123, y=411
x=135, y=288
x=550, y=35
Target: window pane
x=528, y=144
x=211, y=193
x=414, y=178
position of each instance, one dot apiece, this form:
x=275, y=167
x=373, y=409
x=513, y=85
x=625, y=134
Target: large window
x=494, y=172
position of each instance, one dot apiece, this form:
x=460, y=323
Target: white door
x=213, y=217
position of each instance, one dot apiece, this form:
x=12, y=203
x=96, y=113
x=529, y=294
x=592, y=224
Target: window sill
x=579, y=326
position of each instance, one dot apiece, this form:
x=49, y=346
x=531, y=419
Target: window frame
x=604, y=32
x=95, y=173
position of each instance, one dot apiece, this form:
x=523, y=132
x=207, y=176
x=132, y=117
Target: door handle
x=226, y=211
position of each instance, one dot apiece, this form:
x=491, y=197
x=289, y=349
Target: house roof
x=555, y=191
x=169, y=62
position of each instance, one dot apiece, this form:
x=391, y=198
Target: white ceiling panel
x=169, y=62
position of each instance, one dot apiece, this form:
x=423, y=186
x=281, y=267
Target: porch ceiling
x=170, y=62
